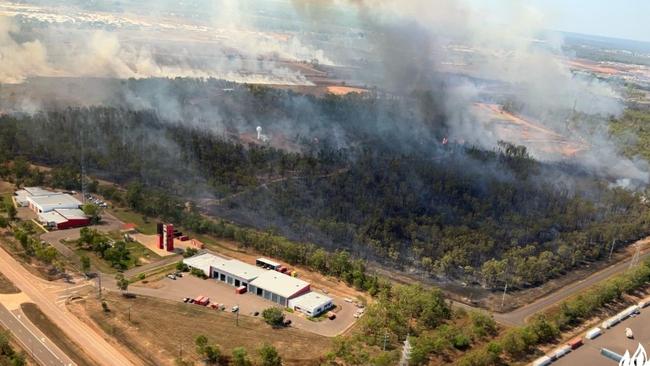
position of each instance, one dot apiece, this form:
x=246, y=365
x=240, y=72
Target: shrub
x=273, y=316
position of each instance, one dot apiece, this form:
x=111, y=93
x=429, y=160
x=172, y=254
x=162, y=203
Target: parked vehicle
x=202, y=300
x=186, y=299
x=593, y=333
x=331, y=315
x=171, y=276
x=575, y=343
x=628, y=333
x=560, y=352
x=287, y=322
x=542, y=361
x=235, y=309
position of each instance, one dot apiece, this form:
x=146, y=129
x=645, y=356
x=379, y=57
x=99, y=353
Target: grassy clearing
x=184, y=322
x=145, y=225
x=6, y=286
x=155, y=274
x=139, y=255
x=96, y=261
x=56, y=335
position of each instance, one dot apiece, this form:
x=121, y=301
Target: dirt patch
x=56, y=335
x=159, y=330
x=6, y=286
x=519, y=129
x=6, y=187
x=343, y=90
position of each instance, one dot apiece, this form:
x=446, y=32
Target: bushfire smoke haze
x=454, y=50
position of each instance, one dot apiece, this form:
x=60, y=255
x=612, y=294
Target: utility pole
x=99, y=278
x=635, y=258
x=611, y=250
x=406, y=352
x=385, y=339
x=503, y=298
x=130, y=312
x=237, y=316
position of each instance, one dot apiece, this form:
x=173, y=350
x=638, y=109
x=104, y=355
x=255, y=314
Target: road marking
x=28, y=347
x=72, y=288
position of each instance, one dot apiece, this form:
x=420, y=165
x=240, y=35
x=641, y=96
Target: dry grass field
x=159, y=331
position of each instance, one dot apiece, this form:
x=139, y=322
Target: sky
x=627, y=19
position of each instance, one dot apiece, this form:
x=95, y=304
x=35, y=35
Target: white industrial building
x=278, y=287
x=64, y=218
x=311, y=303
x=58, y=201
x=272, y=285
x=22, y=194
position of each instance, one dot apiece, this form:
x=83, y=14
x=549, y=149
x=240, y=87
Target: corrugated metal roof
x=38, y=191
x=54, y=200
x=268, y=261
x=310, y=300
x=279, y=283
x=231, y=266
x=239, y=269
x=72, y=213
x=52, y=216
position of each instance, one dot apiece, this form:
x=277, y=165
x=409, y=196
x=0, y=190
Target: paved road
x=32, y=340
x=519, y=316
x=96, y=346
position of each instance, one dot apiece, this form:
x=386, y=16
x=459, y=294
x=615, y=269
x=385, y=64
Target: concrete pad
x=151, y=243
x=613, y=339
x=221, y=293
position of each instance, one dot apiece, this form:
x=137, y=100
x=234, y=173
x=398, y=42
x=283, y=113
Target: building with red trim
x=64, y=219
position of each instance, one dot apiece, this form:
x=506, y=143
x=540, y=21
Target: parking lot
x=221, y=293
x=613, y=339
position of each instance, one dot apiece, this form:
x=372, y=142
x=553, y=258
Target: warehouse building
x=311, y=303
x=272, y=285
x=278, y=287
x=230, y=271
x=22, y=194
x=64, y=218
x=58, y=201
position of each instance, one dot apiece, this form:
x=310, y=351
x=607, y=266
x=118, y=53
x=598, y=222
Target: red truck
x=575, y=343
x=240, y=290
x=202, y=300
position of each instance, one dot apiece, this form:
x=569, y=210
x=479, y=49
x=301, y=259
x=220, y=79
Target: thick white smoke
x=19, y=60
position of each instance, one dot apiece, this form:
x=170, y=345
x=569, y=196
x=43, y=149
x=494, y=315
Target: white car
x=235, y=309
